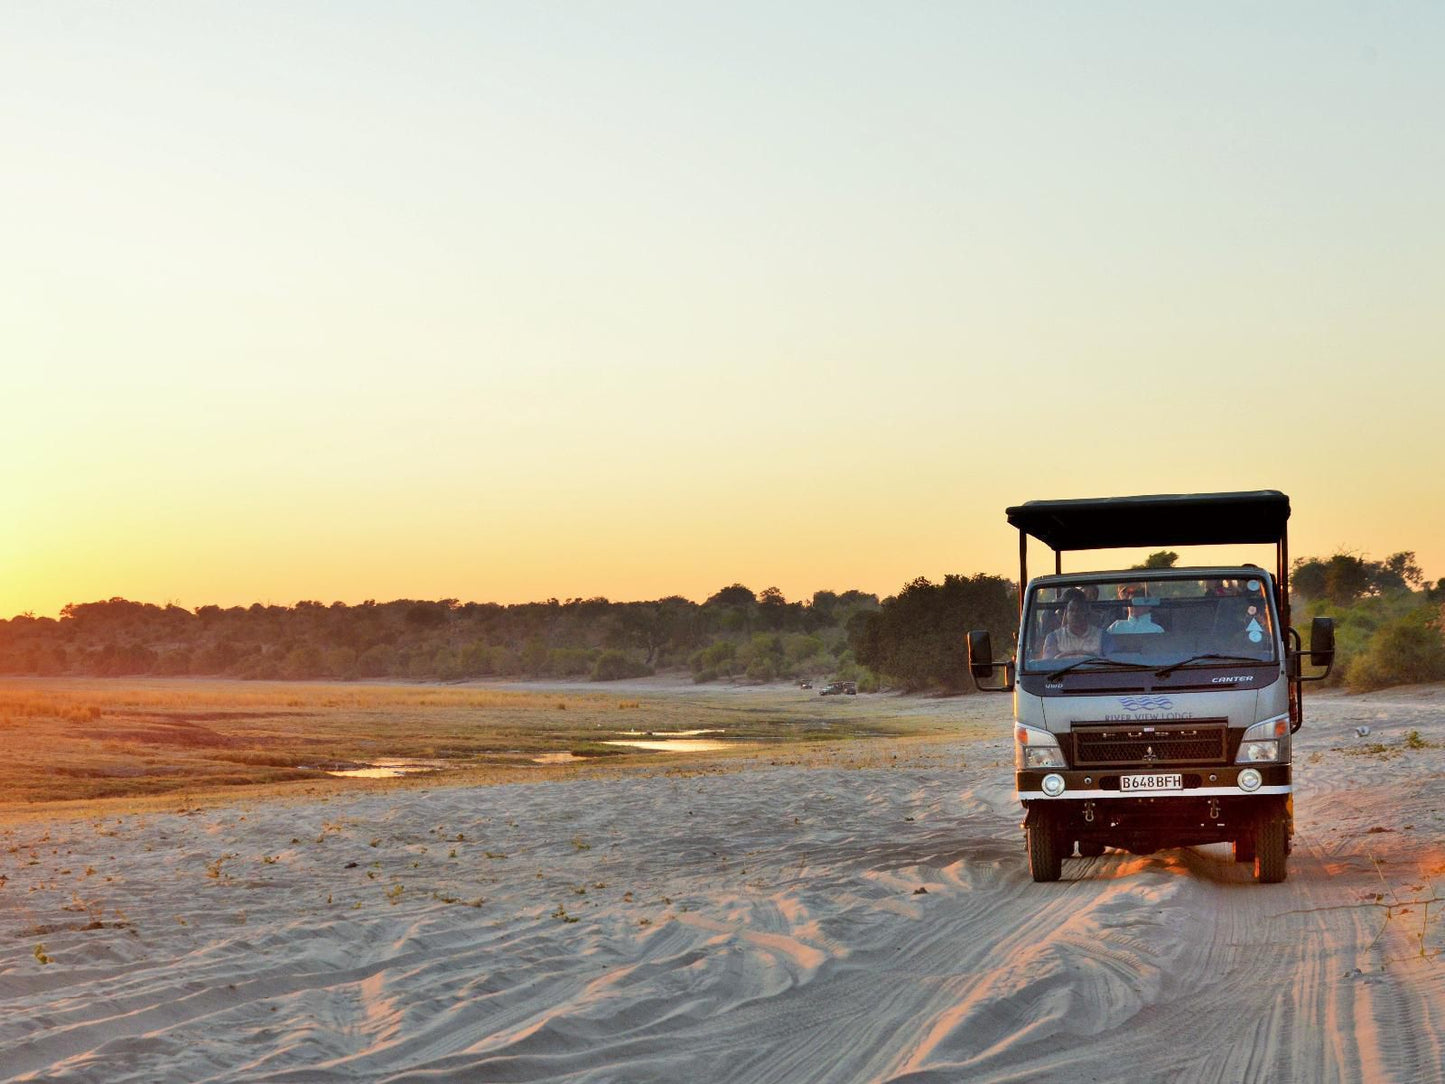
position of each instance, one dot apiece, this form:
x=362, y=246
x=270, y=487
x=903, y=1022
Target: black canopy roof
x=1176, y=519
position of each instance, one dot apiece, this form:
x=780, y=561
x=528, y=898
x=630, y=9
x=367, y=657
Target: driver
x=1077, y=635
x=1138, y=619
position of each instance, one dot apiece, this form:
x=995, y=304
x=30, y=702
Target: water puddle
x=390, y=768
x=665, y=734
x=676, y=745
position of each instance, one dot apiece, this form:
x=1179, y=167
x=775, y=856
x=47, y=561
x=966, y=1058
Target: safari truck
x=1153, y=707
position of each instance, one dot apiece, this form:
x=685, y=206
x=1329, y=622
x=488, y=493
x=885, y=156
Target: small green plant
x=1414, y=741
x=580, y=844
x=40, y=954
x=561, y=913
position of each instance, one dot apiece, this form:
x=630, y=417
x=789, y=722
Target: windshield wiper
x=1167, y=670
x=1096, y=659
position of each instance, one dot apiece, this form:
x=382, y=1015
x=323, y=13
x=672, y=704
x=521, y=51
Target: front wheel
x=1271, y=851
x=1046, y=860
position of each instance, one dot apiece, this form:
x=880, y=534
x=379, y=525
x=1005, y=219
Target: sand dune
x=863, y=913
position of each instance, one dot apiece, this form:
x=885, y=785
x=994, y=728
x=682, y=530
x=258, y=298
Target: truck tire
x=1089, y=848
x=1244, y=849
x=1271, y=842
x=1046, y=859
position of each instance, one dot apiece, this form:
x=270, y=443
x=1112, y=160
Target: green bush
x=701, y=677
x=376, y=661
x=1405, y=651
x=761, y=669
x=571, y=661
x=717, y=657
x=798, y=648
x=616, y=665
x=1356, y=626
x=341, y=663
x=446, y=665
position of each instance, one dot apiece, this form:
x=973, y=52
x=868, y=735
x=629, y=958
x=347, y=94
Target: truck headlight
x=1035, y=748
x=1250, y=779
x=1256, y=752
x=1265, y=743
x=1053, y=784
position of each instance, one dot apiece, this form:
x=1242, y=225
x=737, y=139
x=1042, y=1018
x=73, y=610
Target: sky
x=506, y=302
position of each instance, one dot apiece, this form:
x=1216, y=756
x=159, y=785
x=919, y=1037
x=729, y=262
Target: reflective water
x=667, y=733
x=390, y=768
x=676, y=745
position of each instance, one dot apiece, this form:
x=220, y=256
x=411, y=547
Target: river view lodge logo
x=1146, y=709
x=1145, y=703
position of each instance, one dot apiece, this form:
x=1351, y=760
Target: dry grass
x=159, y=741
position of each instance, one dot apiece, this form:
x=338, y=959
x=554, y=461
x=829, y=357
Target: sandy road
x=865, y=914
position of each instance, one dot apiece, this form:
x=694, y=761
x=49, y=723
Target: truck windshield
x=1151, y=621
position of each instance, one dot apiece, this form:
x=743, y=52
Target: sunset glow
x=509, y=302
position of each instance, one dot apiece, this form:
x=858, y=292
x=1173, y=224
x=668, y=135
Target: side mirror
x=1322, y=641
x=982, y=666
x=980, y=654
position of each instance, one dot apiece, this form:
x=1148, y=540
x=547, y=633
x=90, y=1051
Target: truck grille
x=1163, y=743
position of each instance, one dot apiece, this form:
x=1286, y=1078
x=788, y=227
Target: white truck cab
x=1153, y=707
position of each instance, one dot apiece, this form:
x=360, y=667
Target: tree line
x=1389, y=622
x=765, y=636
x=912, y=640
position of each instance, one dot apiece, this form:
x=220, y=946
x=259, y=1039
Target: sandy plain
x=857, y=911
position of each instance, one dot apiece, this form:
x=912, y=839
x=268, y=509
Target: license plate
x=1151, y=782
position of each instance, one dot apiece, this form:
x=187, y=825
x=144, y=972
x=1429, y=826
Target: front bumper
x=1098, y=785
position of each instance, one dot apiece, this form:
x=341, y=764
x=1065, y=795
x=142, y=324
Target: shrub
x=761, y=669
x=798, y=648
x=1405, y=651
x=477, y=659
x=534, y=657
x=615, y=665
x=716, y=656
x=446, y=665
x=570, y=661
x=302, y=662
x=376, y=661
x=341, y=663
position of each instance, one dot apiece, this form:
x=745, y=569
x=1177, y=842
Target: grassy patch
x=159, y=740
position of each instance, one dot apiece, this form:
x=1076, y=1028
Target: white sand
x=761, y=924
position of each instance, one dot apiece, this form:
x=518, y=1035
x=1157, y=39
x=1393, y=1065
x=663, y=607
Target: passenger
x=1077, y=635
x=1138, y=619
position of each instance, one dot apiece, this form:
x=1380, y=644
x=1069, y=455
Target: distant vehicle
x=839, y=688
x=805, y=684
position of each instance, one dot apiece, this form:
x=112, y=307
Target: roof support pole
x=1023, y=566
x=1281, y=578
